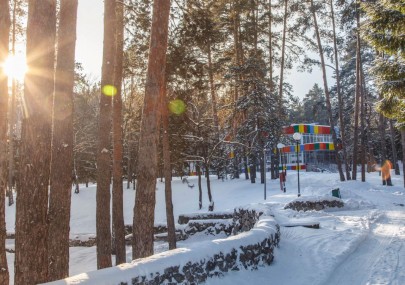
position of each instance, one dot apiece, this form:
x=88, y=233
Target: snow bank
x=247, y=250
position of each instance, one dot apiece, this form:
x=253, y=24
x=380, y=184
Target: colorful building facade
x=316, y=148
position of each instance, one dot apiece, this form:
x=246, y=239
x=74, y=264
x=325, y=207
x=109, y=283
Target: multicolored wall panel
x=292, y=167
x=307, y=129
x=309, y=147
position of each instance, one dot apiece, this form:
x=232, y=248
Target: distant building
x=316, y=148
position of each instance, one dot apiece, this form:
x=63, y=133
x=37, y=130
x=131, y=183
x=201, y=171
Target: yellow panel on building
x=301, y=129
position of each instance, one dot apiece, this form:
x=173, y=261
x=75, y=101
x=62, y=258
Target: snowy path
x=363, y=244
x=379, y=259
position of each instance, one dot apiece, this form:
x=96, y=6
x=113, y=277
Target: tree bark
x=339, y=94
x=280, y=90
x=357, y=101
x=325, y=84
x=171, y=230
x=31, y=240
x=117, y=192
x=4, y=38
x=11, y=152
x=363, y=143
x=236, y=53
x=198, y=169
x=144, y=209
x=11, y=123
x=62, y=145
x=221, y=166
x=403, y=152
x=103, y=197
x=381, y=128
x=252, y=168
x=394, y=149
x=246, y=164
x=270, y=51
x=212, y=92
x=211, y=205
x=235, y=22
x=130, y=166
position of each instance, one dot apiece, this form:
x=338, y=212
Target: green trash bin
x=336, y=193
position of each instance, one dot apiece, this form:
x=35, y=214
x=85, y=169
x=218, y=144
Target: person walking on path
x=386, y=173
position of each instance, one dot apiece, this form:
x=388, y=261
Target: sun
x=15, y=67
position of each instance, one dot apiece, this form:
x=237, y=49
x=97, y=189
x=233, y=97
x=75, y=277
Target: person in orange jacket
x=386, y=173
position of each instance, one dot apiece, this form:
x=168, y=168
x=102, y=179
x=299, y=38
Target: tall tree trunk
x=235, y=15
x=363, y=143
x=272, y=163
x=262, y=166
x=31, y=240
x=357, y=101
x=144, y=209
x=236, y=46
x=235, y=165
x=221, y=166
x=62, y=145
x=381, y=129
x=403, y=152
x=171, y=230
x=270, y=50
x=246, y=164
x=11, y=152
x=4, y=38
x=103, y=196
x=339, y=94
x=394, y=149
x=212, y=91
x=130, y=167
x=11, y=167
x=325, y=84
x=280, y=90
x=253, y=169
x=117, y=192
x=254, y=24
x=198, y=169
x=75, y=174
x=207, y=171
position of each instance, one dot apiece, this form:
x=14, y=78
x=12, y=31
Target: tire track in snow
x=379, y=259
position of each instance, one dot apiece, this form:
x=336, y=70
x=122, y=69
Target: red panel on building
x=288, y=130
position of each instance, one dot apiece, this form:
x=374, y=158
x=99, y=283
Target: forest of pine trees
x=186, y=80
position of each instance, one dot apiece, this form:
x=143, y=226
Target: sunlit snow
x=362, y=243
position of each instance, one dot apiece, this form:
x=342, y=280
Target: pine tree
x=17, y=30
x=325, y=83
x=4, y=39
x=171, y=230
x=147, y=166
x=384, y=30
x=315, y=106
x=31, y=242
x=62, y=145
x=342, y=125
x=117, y=194
x=103, y=197
x=384, y=26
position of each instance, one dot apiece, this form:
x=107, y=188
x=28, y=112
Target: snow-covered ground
x=362, y=243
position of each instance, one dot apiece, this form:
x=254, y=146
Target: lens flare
x=109, y=90
x=177, y=107
x=15, y=67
